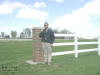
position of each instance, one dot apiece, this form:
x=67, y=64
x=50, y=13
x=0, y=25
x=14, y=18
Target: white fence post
x=99, y=45
x=76, y=46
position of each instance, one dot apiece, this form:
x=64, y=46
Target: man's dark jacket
x=47, y=36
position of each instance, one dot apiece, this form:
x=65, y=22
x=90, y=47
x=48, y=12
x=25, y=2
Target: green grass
x=14, y=53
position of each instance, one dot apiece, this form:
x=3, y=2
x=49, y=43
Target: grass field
x=13, y=55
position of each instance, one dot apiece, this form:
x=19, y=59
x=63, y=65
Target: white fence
x=75, y=43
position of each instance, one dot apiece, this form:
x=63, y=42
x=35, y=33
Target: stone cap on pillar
x=37, y=28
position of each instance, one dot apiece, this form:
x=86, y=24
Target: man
x=47, y=38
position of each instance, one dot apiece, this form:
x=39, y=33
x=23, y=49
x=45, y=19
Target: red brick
x=37, y=46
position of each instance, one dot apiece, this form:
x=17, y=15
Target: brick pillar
x=37, y=45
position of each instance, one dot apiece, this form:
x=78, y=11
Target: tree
x=7, y=36
x=65, y=31
x=27, y=32
x=13, y=34
x=56, y=31
x=22, y=35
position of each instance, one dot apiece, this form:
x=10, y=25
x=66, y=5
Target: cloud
x=8, y=7
x=79, y=20
x=39, y=5
x=24, y=11
x=7, y=29
x=97, y=31
x=82, y=0
x=31, y=13
x=58, y=1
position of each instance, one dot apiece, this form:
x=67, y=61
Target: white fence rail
x=75, y=43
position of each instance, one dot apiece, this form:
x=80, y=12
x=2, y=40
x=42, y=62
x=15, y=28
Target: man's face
x=45, y=25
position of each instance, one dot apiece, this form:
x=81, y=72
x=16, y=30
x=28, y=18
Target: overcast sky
x=80, y=16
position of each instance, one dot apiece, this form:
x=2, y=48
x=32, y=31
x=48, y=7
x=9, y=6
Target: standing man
x=47, y=38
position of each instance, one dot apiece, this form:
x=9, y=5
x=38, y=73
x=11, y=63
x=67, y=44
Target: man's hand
x=41, y=30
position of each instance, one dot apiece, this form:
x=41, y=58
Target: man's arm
x=41, y=34
x=52, y=37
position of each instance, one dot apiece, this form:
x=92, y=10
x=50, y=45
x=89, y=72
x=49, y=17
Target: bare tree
x=27, y=33
x=2, y=34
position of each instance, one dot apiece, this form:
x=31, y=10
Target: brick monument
x=37, y=45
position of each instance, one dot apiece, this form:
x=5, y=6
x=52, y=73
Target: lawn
x=13, y=55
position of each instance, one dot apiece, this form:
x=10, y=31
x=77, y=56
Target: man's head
x=46, y=25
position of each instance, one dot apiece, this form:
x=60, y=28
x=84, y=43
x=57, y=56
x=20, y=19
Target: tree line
x=27, y=33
